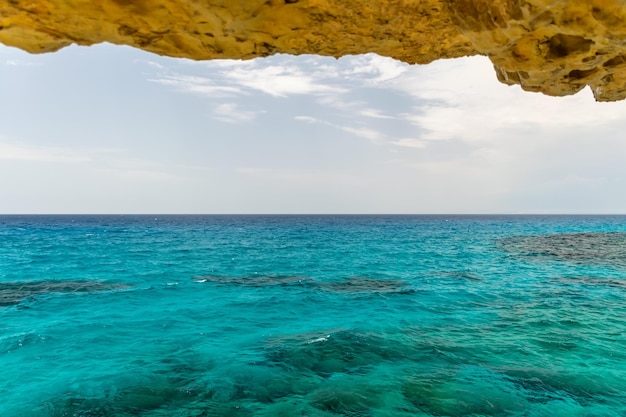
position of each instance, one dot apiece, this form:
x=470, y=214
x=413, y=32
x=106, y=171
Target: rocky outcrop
x=553, y=46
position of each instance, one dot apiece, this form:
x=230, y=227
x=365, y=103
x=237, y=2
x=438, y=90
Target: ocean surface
x=186, y=316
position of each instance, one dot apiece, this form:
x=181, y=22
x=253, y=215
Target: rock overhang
x=556, y=47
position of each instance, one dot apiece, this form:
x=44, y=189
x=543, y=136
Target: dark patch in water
x=345, y=401
x=593, y=281
x=173, y=387
x=223, y=410
x=357, y=285
x=131, y=401
x=12, y=293
x=353, y=285
x=579, y=248
x=339, y=351
x=465, y=391
x=238, y=395
x=462, y=275
x=256, y=280
x=547, y=385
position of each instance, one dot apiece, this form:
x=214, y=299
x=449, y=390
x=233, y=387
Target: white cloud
x=146, y=175
x=409, y=143
x=279, y=80
x=363, y=132
x=376, y=69
x=307, y=119
x=279, y=76
x=224, y=63
x=375, y=114
x=150, y=63
x=21, y=63
x=233, y=113
x=33, y=153
x=336, y=102
x=197, y=85
x=460, y=99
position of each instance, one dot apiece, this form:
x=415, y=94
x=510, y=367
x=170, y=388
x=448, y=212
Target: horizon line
x=314, y=214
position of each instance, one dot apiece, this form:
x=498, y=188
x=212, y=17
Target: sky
x=111, y=129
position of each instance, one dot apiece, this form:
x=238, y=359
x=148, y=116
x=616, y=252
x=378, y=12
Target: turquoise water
x=312, y=316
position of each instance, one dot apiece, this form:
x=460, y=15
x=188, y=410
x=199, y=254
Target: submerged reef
x=350, y=285
x=344, y=373
x=597, y=248
x=255, y=280
x=336, y=351
x=551, y=46
x=12, y=293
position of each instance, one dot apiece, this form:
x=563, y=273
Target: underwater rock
x=337, y=351
x=12, y=293
x=342, y=400
x=597, y=248
x=545, y=383
x=131, y=401
x=464, y=391
x=255, y=280
x=462, y=275
x=355, y=285
x=154, y=395
x=593, y=281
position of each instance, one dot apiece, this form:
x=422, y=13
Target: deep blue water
x=312, y=316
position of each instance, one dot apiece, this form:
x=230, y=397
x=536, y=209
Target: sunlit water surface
x=312, y=316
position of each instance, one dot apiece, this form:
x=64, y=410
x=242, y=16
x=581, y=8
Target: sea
x=312, y=315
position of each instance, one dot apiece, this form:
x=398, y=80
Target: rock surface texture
x=553, y=46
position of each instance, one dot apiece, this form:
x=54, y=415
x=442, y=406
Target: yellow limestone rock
x=553, y=46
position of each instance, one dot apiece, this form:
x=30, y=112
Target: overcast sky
x=110, y=129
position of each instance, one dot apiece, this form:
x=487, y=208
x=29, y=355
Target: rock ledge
x=555, y=47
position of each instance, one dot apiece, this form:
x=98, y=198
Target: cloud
x=346, y=106
x=150, y=63
x=375, y=68
x=356, y=109
x=114, y=162
x=233, y=113
x=299, y=177
x=21, y=63
x=254, y=171
x=374, y=114
x=34, y=153
x=363, y=132
x=146, y=175
x=197, y=85
x=279, y=76
x=279, y=80
x=460, y=99
x=307, y=119
x=409, y=143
